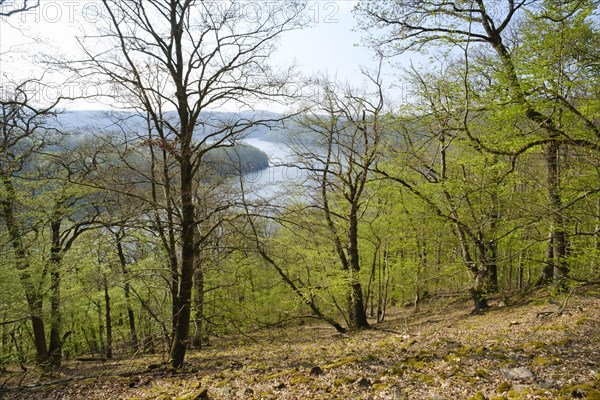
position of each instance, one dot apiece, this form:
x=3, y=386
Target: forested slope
x=136, y=231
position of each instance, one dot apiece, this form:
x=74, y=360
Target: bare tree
x=190, y=56
x=347, y=129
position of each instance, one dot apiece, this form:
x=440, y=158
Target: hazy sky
x=330, y=45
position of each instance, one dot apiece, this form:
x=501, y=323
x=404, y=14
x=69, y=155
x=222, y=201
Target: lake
x=281, y=180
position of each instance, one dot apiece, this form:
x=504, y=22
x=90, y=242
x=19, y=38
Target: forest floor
x=532, y=348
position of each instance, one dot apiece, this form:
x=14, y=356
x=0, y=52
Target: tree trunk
x=171, y=242
x=167, y=235
x=109, y=336
x=357, y=315
x=480, y=286
x=55, y=348
x=548, y=263
x=127, y=290
x=492, y=284
x=386, y=287
x=479, y=300
x=102, y=349
x=492, y=245
x=487, y=268
x=182, y=328
x=39, y=335
x=370, y=297
x=199, y=317
x=557, y=235
x=4, y=340
x=173, y=265
x=477, y=289
x=421, y=267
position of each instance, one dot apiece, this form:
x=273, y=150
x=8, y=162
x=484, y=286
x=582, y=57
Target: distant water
x=281, y=179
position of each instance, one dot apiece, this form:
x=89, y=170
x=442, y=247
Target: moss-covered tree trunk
x=55, y=345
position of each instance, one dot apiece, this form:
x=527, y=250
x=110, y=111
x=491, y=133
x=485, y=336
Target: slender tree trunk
x=173, y=265
x=511, y=269
x=4, y=333
x=101, y=328
x=492, y=285
x=127, y=292
x=199, y=317
x=592, y=262
x=480, y=273
x=109, y=336
x=370, y=298
x=492, y=245
x=597, y=230
x=387, y=286
x=380, y=286
x=131, y=318
x=384, y=279
x=421, y=267
x=170, y=242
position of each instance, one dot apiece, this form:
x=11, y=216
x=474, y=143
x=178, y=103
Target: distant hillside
x=291, y=131
x=240, y=158
x=211, y=121
x=226, y=160
x=267, y=127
